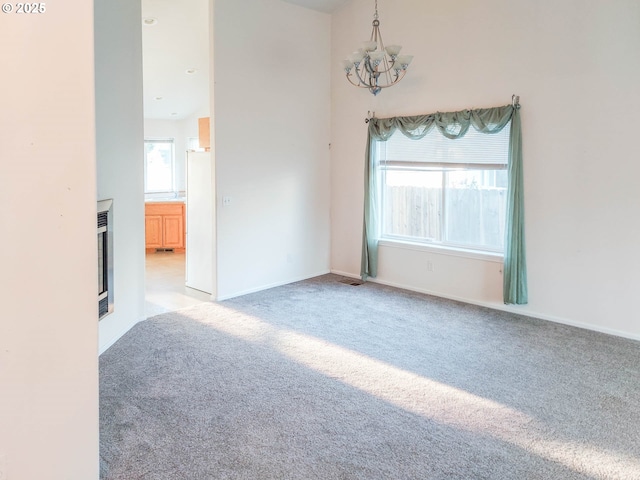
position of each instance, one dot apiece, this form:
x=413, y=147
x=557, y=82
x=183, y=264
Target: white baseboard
x=106, y=344
x=344, y=274
x=520, y=310
x=272, y=285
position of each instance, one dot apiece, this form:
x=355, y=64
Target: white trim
x=104, y=346
x=502, y=307
x=344, y=274
x=160, y=139
x=104, y=205
x=443, y=250
x=272, y=285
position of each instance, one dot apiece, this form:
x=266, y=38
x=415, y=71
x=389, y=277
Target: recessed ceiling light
x=150, y=21
x=190, y=71
x=173, y=114
x=158, y=98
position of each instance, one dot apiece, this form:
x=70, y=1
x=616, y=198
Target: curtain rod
x=515, y=103
x=370, y=115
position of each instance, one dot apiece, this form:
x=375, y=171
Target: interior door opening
x=176, y=51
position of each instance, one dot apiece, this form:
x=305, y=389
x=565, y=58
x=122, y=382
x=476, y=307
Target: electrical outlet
x=429, y=266
x=226, y=201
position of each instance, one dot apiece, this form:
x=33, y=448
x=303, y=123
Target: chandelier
x=375, y=66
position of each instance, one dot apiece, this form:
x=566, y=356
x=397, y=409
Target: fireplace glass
x=105, y=258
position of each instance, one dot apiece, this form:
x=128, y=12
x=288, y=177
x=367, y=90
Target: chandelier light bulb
x=369, y=46
x=358, y=56
x=393, y=50
x=347, y=65
x=376, y=57
x=404, y=60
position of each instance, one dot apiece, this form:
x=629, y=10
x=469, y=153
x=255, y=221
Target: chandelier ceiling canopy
x=374, y=66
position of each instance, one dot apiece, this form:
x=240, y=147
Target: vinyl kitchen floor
x=165, y=290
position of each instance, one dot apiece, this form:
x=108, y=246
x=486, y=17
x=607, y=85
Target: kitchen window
x=159, y=166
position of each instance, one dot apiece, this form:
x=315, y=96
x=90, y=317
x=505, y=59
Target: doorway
x=165, y=289
x=176, y=64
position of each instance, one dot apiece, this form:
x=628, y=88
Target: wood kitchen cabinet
x=204, y=133
x=164, y=226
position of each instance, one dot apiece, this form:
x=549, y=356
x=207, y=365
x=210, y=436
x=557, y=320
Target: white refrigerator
x=199, y=223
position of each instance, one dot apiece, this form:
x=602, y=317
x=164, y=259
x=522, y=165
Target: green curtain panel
x=455, y=125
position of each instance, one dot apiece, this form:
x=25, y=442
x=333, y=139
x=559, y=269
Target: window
x=450, y=183
x=445, y=192
x=158, y=166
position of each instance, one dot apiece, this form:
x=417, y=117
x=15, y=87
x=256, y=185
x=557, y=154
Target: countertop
x=165, y=200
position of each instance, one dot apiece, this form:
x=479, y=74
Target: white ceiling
x=180, y=41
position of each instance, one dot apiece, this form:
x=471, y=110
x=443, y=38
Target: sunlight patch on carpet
x=419, y=395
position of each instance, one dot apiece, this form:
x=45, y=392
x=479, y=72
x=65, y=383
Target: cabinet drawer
x=163, y=208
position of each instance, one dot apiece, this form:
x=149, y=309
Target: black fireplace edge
x=105, y=257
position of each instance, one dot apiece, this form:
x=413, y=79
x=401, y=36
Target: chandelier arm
x=379, y=36
x=369, y=72
x=389, y=66
x=400, y=77
x=359, y=85
x=372, y=72
x=360, y=80
x=373, y=80
x=387, y=72
x=363, y=84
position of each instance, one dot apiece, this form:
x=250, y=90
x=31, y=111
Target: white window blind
x=435, y=148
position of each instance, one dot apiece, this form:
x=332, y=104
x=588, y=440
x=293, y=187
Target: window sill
x=442, y=250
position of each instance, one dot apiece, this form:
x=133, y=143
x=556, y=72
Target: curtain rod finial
x=370, y=115
x=515, y=101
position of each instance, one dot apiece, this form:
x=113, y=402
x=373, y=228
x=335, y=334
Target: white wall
x=272, y=107
x=48, y=288
x=120, y=139
x=576, y=67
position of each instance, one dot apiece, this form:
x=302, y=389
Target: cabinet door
x=173, y=226
x=204, y=134
x=153, y=231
